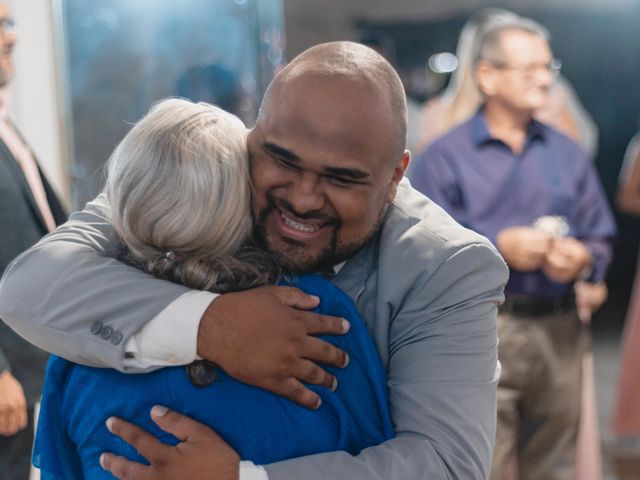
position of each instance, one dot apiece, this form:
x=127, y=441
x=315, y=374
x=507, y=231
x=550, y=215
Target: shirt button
x=106, y=332
x=96, y=328
x=116, y=338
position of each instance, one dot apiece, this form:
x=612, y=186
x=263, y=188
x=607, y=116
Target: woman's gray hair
x=179, y=190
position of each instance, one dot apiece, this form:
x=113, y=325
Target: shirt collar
x=481, y=135
x=338, y=267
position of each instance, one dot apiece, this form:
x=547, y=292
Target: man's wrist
x=208, y=345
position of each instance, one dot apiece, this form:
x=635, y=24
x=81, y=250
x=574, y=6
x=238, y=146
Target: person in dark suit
x=29, y=209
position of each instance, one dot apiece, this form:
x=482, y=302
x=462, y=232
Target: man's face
x=323, y=170
x=520, y=79
x=7, y=42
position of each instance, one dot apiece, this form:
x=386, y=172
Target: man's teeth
x=299, y=226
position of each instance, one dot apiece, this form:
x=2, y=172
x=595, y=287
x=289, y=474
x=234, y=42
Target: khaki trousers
x=539, y=394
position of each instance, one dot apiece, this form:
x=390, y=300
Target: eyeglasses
x=7, y=26
x=552, y=68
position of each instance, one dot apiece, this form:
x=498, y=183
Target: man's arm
x=443, y=376
x=89, y=308
x=66, y=296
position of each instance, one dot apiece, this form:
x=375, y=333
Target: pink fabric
x=588, y=455
x=626, y=421
x=27, y=163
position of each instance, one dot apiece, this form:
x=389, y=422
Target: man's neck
x=508, y=125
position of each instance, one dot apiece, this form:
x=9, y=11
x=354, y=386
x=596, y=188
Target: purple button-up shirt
x=479, y=181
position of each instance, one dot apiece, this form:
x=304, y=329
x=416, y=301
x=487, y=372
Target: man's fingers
x=294, y=390
x=322, y=351
x=146, y=444
x=325, y=325
x=4, y=424
x=22, y=418
x=294, y=297
x=180, y=426
x=125, y=469
x=14, y=422
x=311, y=373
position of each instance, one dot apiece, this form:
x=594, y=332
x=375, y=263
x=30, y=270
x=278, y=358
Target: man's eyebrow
x=280, y=151
x=353, y=173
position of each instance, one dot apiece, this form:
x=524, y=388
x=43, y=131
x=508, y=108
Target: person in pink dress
x=626, y=419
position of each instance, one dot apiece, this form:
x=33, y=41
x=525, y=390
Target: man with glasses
x=536, y=196
x=29, y=209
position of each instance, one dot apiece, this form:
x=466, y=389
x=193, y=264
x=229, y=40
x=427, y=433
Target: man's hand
x=523, y=248
x=202, y=455
x=566, y=258
x=264, y=337
x=589, y=298
x=13, y=406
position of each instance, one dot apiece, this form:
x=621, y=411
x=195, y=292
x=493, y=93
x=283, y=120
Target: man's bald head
x=352, y=63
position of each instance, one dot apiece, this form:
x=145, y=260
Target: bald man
x=327, y=162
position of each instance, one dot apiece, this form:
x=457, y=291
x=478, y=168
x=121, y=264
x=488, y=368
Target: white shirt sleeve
x=251, y=471
x=171, y=337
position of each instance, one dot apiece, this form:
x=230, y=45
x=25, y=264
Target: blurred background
x=88, y=70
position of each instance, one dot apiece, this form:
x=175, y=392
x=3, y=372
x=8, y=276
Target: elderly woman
x=178, y=186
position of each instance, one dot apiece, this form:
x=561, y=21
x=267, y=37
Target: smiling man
x=322, y=188
x=327, y=160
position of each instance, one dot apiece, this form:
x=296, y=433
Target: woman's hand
x=202, y=453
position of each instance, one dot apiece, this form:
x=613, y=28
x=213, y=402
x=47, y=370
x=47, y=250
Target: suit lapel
x=21, y=180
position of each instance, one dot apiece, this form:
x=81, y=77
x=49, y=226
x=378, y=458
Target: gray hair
x=489, y=45
x=462, y=92
x=179, y=190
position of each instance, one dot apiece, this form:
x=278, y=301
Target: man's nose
x=306, y=193
x=9, y=38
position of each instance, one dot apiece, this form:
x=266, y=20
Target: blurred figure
x=626, y=421
x=461, y=99
x=28, y=210
x=212, y=84
x=535, y=194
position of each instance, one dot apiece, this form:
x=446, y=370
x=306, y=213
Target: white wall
x=33, y=97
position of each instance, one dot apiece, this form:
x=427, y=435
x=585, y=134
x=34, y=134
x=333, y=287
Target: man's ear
x=398, y=173
x=485, y=78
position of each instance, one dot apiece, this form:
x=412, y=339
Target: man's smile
x=295, y=228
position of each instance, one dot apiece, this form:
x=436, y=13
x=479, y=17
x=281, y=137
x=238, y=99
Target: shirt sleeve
x=170, y=338
x=594, y=222
x=250, y=471
x=432, y=175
